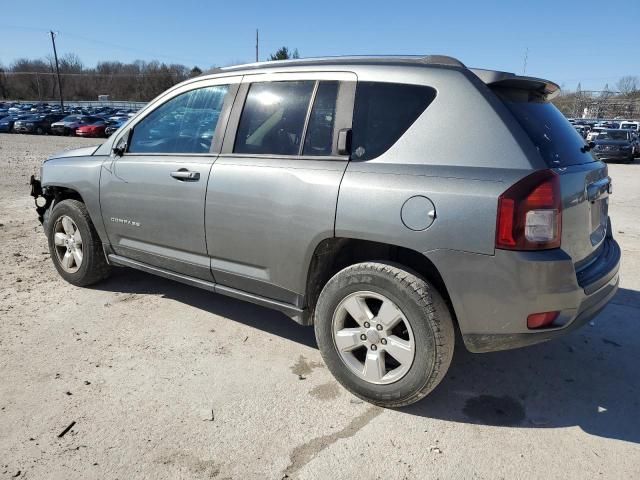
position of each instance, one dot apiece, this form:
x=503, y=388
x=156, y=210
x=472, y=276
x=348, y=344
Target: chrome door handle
x=184, y=174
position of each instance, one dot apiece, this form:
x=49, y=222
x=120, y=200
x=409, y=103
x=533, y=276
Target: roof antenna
x=526, y=57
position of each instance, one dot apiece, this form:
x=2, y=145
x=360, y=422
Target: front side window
x=273, y=118
x=383, y=112
x=184, y=124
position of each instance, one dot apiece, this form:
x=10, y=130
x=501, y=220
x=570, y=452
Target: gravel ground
x=161, y=380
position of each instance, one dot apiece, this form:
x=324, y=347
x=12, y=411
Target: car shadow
x=589, y=379
x=126, y=280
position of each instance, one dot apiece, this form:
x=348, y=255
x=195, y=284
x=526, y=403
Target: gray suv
x=390, y=202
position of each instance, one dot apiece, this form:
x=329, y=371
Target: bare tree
x=627, y=84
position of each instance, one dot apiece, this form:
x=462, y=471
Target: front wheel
x=385, y=334
x=74, y=244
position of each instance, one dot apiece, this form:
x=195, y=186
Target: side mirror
x=344, y=141
x=121, y=147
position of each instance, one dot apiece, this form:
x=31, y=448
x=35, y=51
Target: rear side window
x=319, y=138
x=273, y=118
x=555, y=138
x=383, y=112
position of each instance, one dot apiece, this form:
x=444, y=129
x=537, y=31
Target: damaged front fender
x=42, y=200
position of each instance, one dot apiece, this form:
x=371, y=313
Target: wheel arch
x=333, y=254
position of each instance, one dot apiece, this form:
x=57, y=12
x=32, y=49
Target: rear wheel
x=74, y=244
x=385, y=333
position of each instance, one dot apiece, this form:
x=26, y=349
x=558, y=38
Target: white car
x=635, y=126
x=595, y=131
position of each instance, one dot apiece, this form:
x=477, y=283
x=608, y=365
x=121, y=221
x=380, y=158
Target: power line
x=102, y=42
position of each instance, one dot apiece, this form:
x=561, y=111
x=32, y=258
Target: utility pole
x=55, y=55
x=526, y=56
x=257, y=45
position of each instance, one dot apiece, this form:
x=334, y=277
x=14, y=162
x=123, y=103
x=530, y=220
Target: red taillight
x=530, y=214
x=541, y=320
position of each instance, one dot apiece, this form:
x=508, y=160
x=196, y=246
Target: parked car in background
x=7, y=123
x=68, y=125
x=634, y=126
x=113, y=125
x=318, y=187
x=37, y=123
x=93, y=129
x=582, y=130
x=615, y=145
x=595, y=131
x=62, y=127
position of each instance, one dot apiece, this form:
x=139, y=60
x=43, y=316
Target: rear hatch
x=584, y=181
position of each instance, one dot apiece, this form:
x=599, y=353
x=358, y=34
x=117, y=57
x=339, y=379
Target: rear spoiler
x=544, y=88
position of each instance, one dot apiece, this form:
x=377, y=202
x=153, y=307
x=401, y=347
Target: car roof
x=490, y=77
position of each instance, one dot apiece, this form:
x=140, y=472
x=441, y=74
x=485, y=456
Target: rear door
x=585, y=183
x=153, y=196
x=273, y=190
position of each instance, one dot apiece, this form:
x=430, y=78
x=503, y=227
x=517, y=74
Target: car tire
x=74, y=244
x=39, y=131
x=423, y=324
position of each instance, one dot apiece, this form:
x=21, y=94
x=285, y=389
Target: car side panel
x=81, y=174
x=264, y=217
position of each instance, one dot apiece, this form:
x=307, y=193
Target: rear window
x=383, y=112
x=557, y=141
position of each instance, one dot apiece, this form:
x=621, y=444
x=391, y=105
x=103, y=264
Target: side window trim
x=221, y=126
x=305, y=127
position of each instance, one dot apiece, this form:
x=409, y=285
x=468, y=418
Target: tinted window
x=319, y=137
x=184, y=124
x=273, y=118
x=383, y=112
x=557, y=141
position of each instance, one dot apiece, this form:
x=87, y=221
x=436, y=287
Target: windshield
x=613, y=135
x=557, y=141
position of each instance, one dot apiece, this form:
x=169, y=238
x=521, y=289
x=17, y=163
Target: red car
x=95, y=129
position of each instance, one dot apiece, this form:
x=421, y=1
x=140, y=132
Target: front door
x=153, y=196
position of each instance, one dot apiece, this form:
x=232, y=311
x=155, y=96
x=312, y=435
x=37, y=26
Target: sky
x=568, y=41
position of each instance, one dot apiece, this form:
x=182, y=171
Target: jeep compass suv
x=387, y=201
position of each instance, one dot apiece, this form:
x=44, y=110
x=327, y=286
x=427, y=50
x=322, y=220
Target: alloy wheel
x=373, y=337
x=68, y=244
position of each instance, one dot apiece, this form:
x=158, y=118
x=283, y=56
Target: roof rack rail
x=442, y=60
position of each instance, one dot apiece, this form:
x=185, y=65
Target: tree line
x=29, y=79
x=623, y=100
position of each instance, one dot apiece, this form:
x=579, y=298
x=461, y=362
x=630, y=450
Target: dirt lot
x=167, y=381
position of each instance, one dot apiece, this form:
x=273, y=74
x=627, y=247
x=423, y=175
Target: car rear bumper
x=493, y=295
